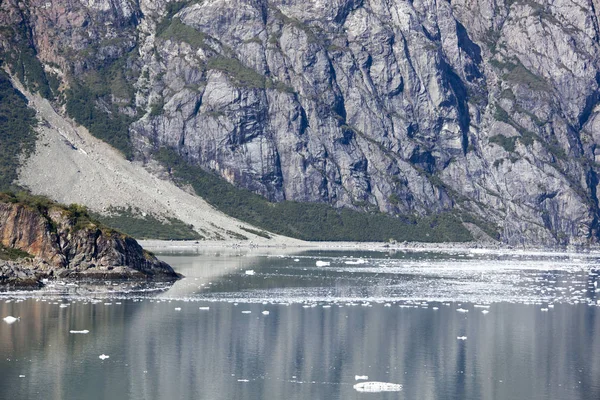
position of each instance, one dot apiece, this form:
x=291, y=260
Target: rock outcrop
x=64, y=242
x=487, y=107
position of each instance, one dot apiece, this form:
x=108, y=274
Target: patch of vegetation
x=262, y=234
x=171, y=9
x=78, y=215
x=507, y=143
x=23, y=62
x=180, y=32
x=134, y=224
x=17, y=134
x=10, y=254
x=516, y=72
x=111, y=127
x=242, y=75
x=311, y=221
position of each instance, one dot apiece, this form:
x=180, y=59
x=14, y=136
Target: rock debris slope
x=71, y=166
x=483, y=107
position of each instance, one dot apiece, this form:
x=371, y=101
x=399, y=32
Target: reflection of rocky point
x=42, y=239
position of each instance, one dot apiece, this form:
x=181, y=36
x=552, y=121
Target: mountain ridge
x=410, y=108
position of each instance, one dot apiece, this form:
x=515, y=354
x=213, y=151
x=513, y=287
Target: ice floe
x=320, y=263
x=360, y=377
x=377, y=387
x=10, y=319
x=85, y=331
x=250, y=272
x=103, y=357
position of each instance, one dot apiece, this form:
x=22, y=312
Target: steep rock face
x=411, y=107
x=62, y=246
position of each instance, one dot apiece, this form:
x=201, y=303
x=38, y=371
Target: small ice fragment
x=462, y=310
x=296, y=259
x=243, y=380
x=10, y=319
x=355, y=262
x=550, y=305
x=323, y=263
x=327, y=306
x=21, y=376
x=377, y=387
x=461, y=337
x=481, y=306
x=360, y=377
x=204, y=308
x=177, y=308
x=435, y=308
x=103, y=357
x=544, y=309
x=250, y=272
x=246, y=312
x=484, y=312
x=64, y=306
x=85, y=331
x=265, y=312
x=387, y=305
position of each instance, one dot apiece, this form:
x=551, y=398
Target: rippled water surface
x=285, y=325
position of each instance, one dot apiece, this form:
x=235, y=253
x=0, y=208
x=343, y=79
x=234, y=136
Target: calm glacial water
x=444, y=325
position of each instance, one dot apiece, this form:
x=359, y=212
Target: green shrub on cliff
x=17, y=134
x=311, y=221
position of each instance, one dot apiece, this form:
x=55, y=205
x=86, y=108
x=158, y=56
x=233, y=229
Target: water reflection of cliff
x=515, y=352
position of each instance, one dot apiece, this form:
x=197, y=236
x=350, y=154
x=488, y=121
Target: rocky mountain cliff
x=64, y=242
x=480, y=107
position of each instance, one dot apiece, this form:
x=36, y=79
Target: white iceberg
x=246, y=312
x=265, y=312
x=377, y=387
x=204, y=308
x=355, y=262
x=85, y=331
x=461, y=337
x=103, y=357
x=250, y=272
x=360, y=377
x=323, y=263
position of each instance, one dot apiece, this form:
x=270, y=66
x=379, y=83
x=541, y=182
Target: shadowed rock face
x=487, y=107
x=65, y=247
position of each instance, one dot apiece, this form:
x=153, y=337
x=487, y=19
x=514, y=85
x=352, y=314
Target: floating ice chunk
x=204, y=308
x=462, y=310
x=246, y=312
x=250, y=272
x=265, y=312
x=243, y=380
x=484, y=312
x=296, y=259
x=377, y=387
x=435, y=308
x=461, y=337
x=550, y=305
x=177, y=308
x=323, y=263
x=387, y=305
x=85, y=331
x=544, y=309
x=327, y=306
x=355, y=262
x=103, y=357
x=360, y=377
x=21, y=376
x=64, y=306
x=481, y=306
x=11, y=320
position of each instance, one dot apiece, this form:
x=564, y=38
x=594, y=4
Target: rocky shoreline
x=42, y=240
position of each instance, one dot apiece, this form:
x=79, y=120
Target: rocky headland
x=40, y=239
